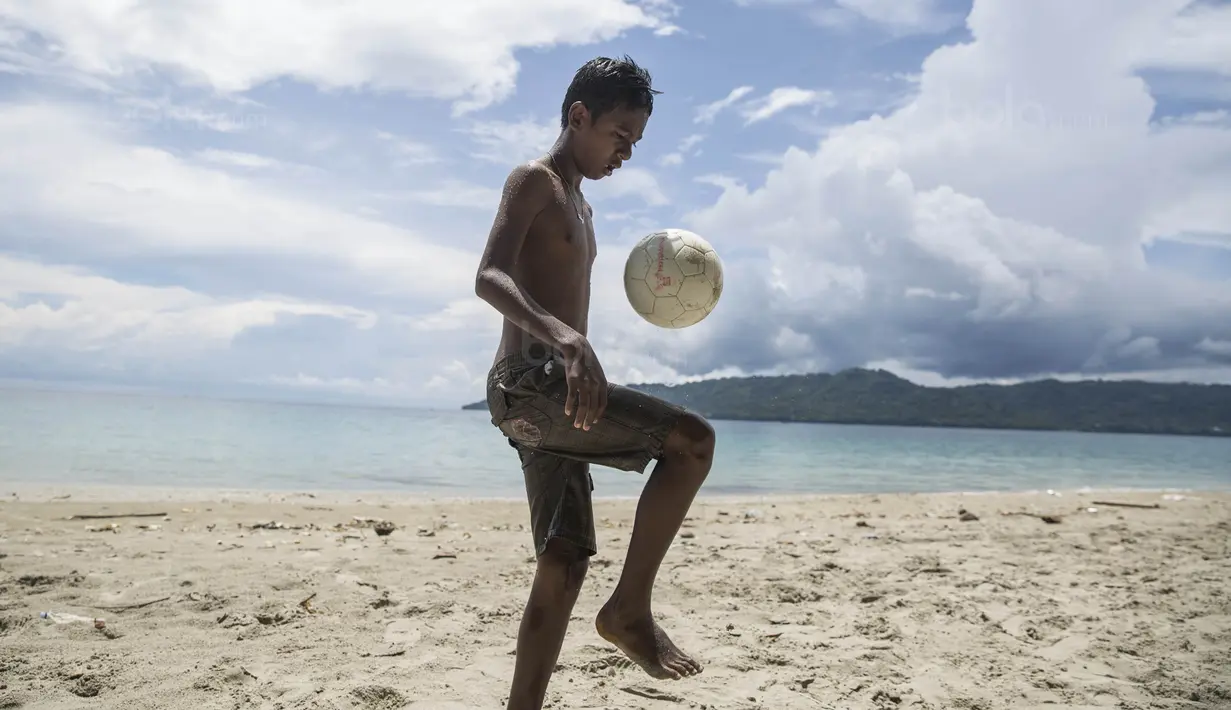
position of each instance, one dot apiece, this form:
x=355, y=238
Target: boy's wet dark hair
x=603, y=84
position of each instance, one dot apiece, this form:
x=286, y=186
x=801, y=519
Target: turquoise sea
x=70, y=438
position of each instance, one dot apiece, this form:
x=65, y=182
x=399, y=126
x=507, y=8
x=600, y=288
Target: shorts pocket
x=529, y=382
x=551, y=382
x=504, y=392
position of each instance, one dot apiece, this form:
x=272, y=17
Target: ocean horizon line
x=107, y=493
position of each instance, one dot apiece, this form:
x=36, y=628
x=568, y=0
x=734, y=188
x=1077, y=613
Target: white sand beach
x=892, y=601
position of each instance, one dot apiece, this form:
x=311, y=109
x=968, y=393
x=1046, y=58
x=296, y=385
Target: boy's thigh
x=560, y=492
x=628, y=436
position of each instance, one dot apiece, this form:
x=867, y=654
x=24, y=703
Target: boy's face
x=602, y=146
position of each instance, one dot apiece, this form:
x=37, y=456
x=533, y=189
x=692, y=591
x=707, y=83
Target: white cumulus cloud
x=461, y=51
x=70, y=308
x=994, y=225
x=782, y=99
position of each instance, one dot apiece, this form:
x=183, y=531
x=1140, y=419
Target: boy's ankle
x=622, y=606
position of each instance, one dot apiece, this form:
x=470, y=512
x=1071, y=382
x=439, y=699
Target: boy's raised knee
x=692, y=437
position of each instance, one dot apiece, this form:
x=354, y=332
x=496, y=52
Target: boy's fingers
x=590, y=411
x=583, y=407
x=568, y=398
x=599, y=406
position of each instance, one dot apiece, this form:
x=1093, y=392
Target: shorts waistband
x=535, y=356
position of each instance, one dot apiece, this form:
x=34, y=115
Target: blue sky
x=289, y=199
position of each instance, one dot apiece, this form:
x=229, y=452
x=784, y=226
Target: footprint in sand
x=399, y=636
x=403, y=632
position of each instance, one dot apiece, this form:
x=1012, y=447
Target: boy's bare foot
x=641, y=639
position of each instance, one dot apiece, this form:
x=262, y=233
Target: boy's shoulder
x=531, y=174
x=529, y=183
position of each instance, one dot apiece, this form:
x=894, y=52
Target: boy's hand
x=587, y=385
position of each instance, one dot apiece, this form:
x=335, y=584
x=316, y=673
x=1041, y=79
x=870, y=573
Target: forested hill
x=877, y=397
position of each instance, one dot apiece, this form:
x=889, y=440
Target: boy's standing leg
x=558, y=577
x=559, y=495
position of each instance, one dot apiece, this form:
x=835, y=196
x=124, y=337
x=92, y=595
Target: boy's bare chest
x=574, y=230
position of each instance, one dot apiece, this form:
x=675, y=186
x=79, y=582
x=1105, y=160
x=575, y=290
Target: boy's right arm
x=527, y=191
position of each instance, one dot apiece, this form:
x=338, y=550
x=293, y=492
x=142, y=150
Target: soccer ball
x=673, y=278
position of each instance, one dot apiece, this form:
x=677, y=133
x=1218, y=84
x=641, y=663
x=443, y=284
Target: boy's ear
x=578, y=115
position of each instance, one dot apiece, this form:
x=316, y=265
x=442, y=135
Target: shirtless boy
x=548, y=395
